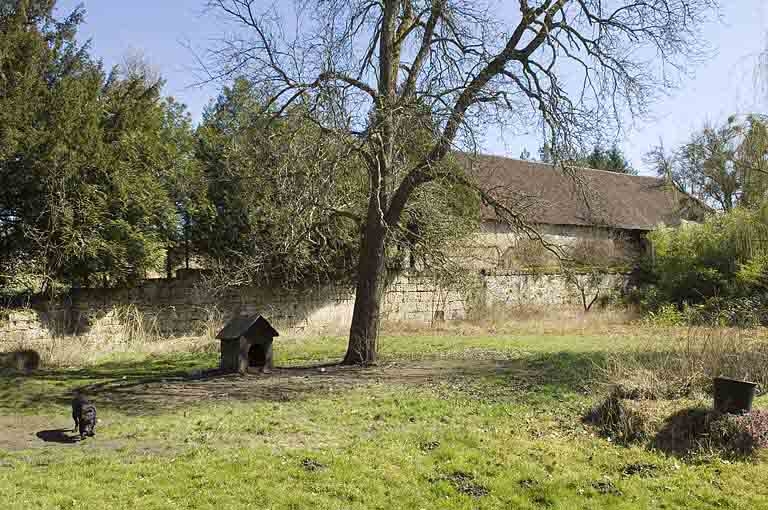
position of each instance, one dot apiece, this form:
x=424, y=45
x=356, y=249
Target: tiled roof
x=546, y=194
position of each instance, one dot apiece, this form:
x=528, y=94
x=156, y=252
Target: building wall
x=496, y=247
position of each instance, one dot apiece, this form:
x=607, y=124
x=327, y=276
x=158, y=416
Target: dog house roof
x=247, y=325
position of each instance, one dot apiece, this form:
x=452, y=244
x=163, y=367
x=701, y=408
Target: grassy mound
x=685, y=432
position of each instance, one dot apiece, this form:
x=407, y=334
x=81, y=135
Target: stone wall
x=183, y=306
x=23, y=324
x=548, y=289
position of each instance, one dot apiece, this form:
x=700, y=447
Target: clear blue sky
x=721, y=86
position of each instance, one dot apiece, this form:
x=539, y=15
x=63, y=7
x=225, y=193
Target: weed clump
x=465, y=483
x=620, y=420
x=607, y=487
x=643, y=470
x=428, y=446
x=312, y=465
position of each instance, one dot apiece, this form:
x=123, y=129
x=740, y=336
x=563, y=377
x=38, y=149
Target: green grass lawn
x=442, y=422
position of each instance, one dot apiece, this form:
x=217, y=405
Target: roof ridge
x=583, y=168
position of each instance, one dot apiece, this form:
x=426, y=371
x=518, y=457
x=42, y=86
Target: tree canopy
x=724, y=166
x=109, y=180
x=598, y=158
x=275, y=212
x=611, y=160
x=87, y=157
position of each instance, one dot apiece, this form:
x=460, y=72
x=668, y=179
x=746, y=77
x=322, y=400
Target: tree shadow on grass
x=45, y=387
x=164, y=385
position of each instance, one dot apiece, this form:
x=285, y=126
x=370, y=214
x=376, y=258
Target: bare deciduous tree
x=723, y=166
x=761, y=72
x=137, y=65
x=374, y=72
x=589, y=284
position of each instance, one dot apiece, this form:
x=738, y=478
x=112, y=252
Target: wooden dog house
x=246, y=342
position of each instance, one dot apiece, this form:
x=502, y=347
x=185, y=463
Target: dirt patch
x=34, y=432
x=20, y=432
x=475, y=378
x=465, y=483
x=141, y=396
x=311, y=465
x=640, y=469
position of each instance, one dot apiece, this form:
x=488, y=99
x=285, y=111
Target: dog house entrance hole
x=257, y=356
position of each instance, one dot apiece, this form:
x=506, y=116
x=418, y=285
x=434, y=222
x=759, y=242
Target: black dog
x=84, y=414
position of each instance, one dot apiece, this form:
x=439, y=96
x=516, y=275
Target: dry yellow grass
x=532, y=320
x=138, y=333
x=76, y=351
x=681, y=363
x=135, y=334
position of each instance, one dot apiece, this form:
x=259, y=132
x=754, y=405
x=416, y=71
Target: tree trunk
x=364, y=332
x=169, y=262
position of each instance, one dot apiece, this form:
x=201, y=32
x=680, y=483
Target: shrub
x=753, y=274
x=684, y=432
x=727, y=312
x=667, y=315
x=22, y=360
x=715, y=273
x=740, y=312
x=691, y=262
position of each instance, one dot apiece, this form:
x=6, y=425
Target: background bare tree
x=761, y=72
x=375, y=73
x=723, y=166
